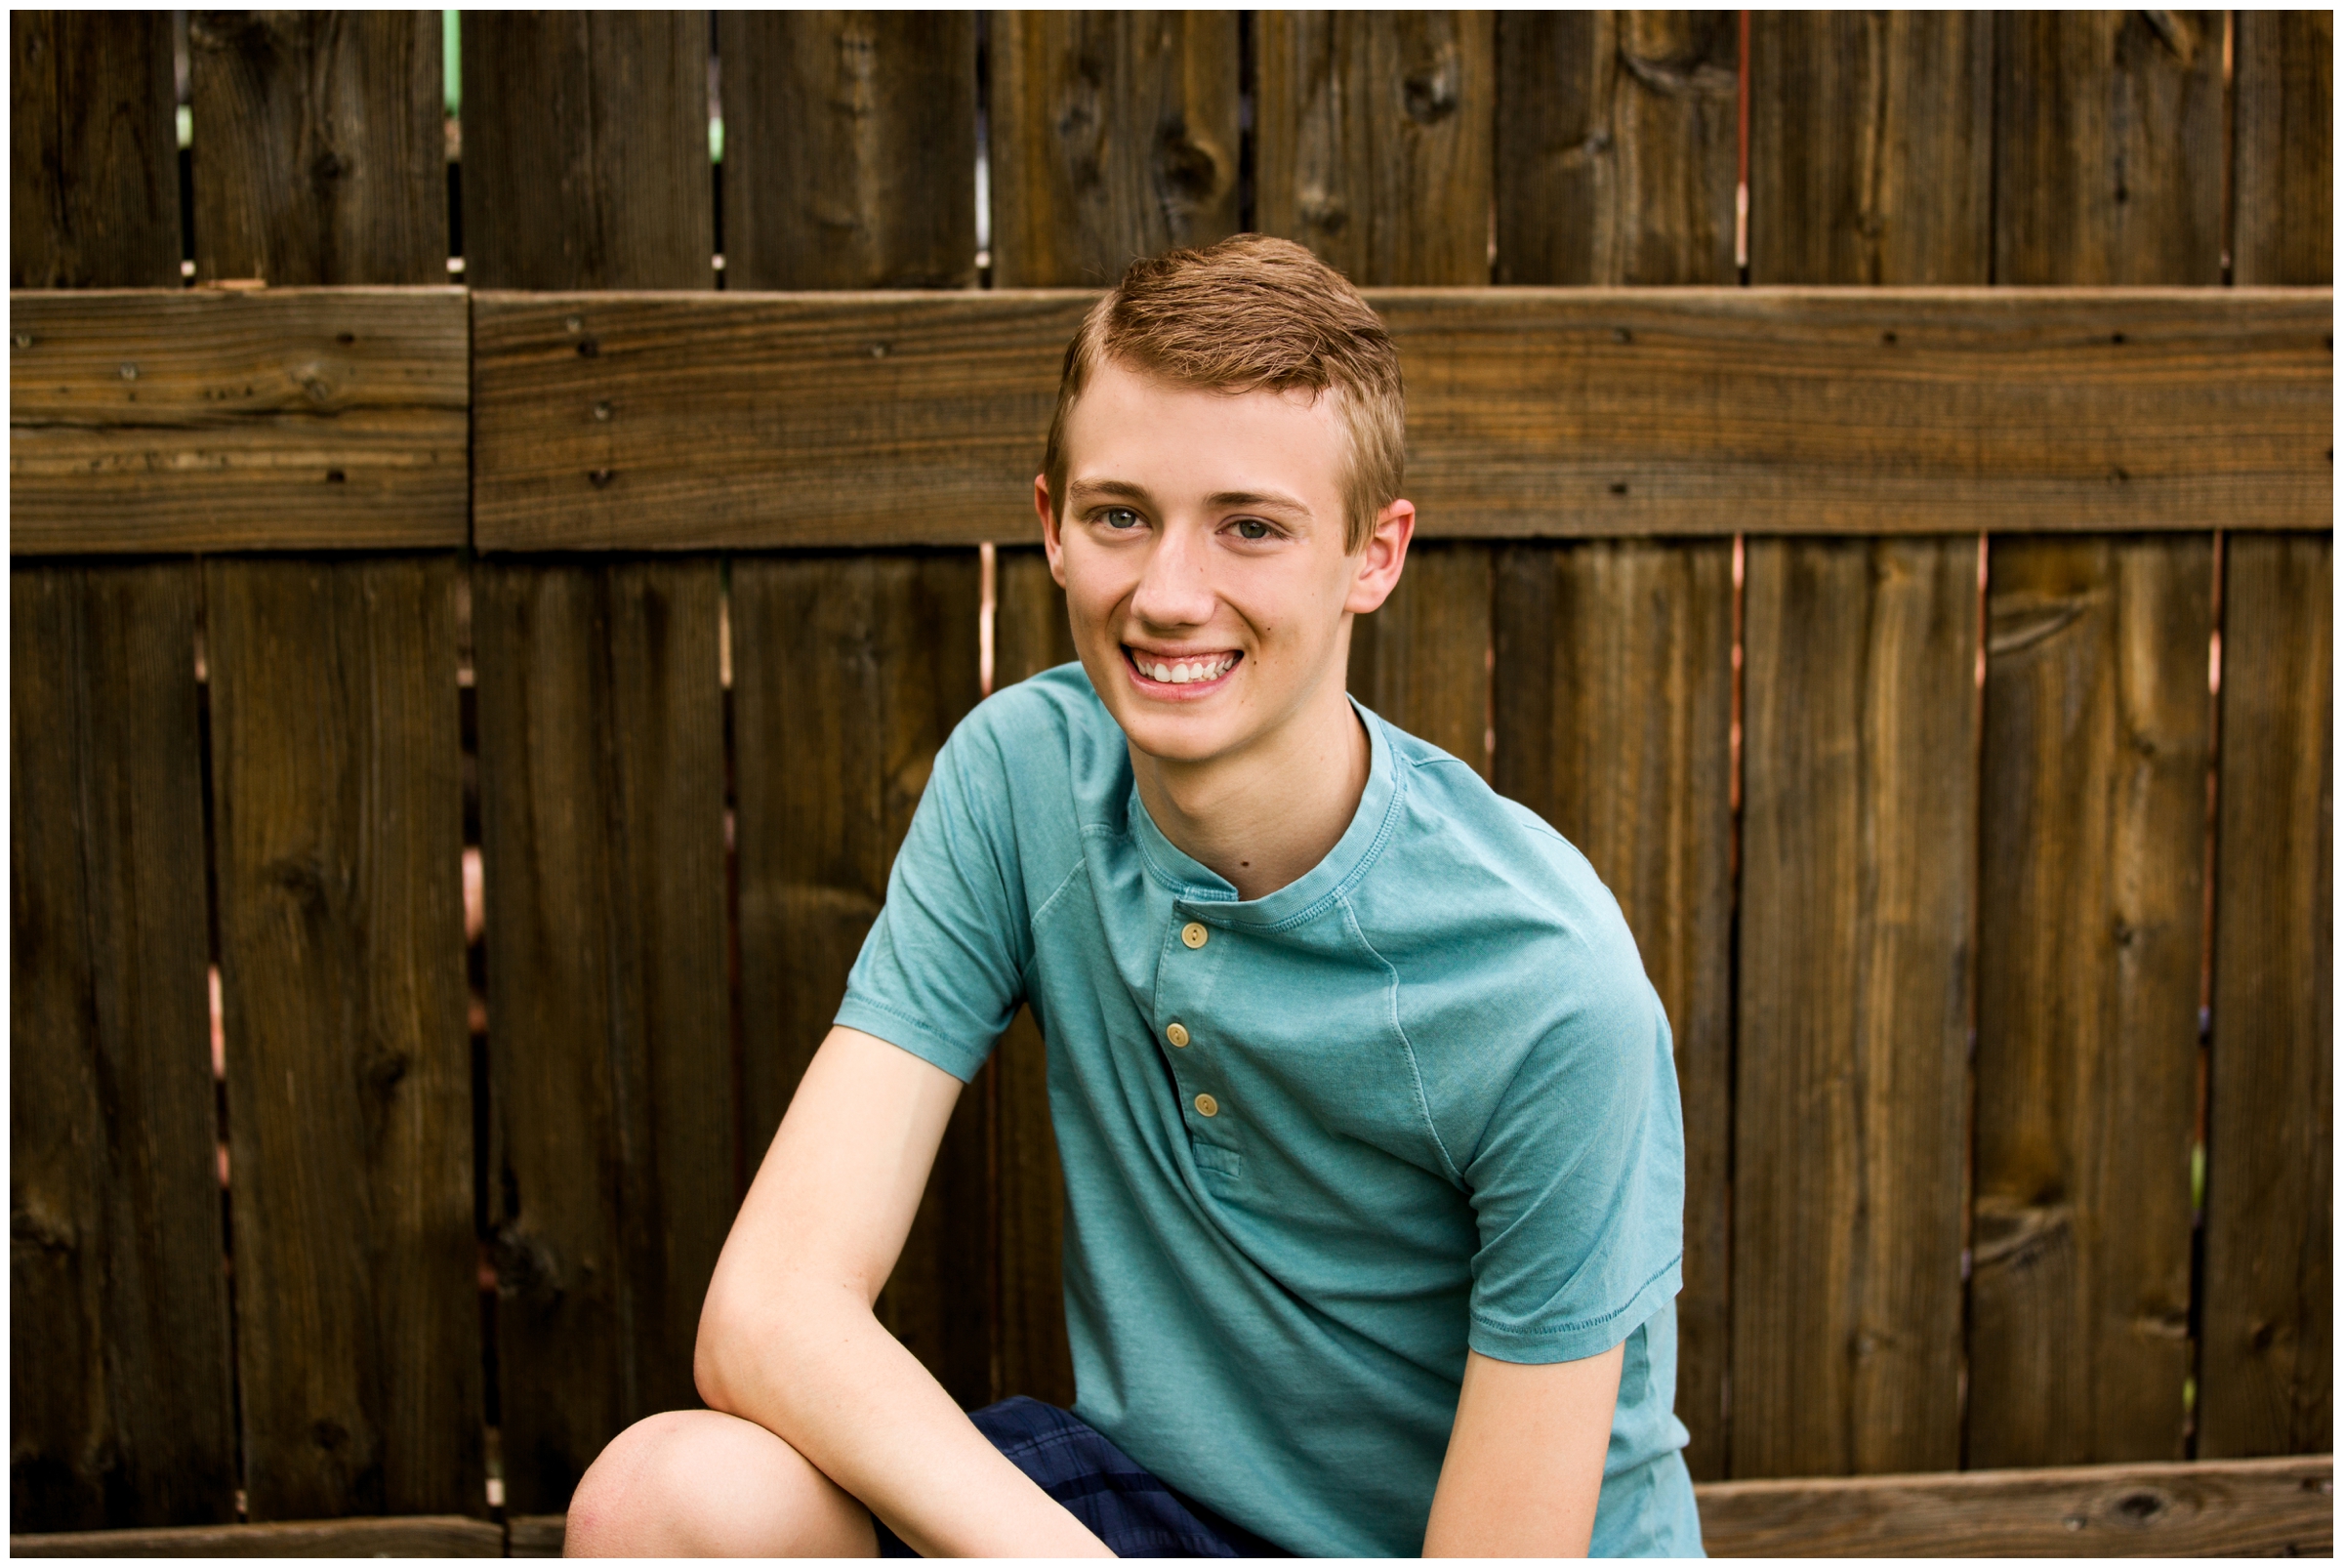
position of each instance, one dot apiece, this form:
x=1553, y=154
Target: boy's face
x=1201, y=545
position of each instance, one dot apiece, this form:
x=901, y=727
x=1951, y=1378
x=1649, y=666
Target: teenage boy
x=1372, y=1155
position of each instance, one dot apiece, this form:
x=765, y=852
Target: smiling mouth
x=1189, y=672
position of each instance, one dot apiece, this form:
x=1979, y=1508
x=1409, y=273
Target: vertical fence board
x=1614, y=711
x=849, y=149
x=586, y=150
x=1376, y=139
x=601, y=784
x=120, y=1412
x=2284, y=206
x=92, y=160
x=2268, y=1360
x=1858, y=827
x=2108, y=146
x=1030, y=635
x=2090, y=943
x=1871, y=146
x=337, y=771
x=322, y=155
x=1617, y=146
x=1422, y=660
x=861, y=664
x=1113, y=135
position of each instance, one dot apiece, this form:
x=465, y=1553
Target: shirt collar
x=1202, y=893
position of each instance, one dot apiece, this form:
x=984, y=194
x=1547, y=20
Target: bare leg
x=698, y=1483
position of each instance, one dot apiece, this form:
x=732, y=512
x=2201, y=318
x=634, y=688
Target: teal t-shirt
x=1425, y=1100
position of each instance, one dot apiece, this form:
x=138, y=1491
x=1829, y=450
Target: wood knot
x=1186, y=170
x=599, y=478
x=1322, y=210
x=1430, y=91
x=2141, y=1507
x=328, y=1434
x=327, y=166
x=589, y=350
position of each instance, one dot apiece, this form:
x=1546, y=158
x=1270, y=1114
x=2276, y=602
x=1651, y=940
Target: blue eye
x=1253, y=528
x=1120, y=518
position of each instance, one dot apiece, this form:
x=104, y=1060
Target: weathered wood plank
x=863, y=663
x=93, y=162
x=1871, y=146
x=2108, y=147
x=2284, y=206
x=2097, y=737
x=1031, y=634
x=2282, y=1507
x=1857, y=899
x=120, y=1410
x=1614, y=676
x=1617, y=146
x=586, y=150
x=1422, y=660
x=1375, y=134
x=1113, y=135
x=2266, y=1383
x=850, y=150
x=232, y=420
x=603, y=799
x=338, y=782
x=417, y=1536
x=323, y=159
x=1531, y=412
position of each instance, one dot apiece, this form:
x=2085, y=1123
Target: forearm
x=819, y=1371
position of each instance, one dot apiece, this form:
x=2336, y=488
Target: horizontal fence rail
x=1876, y=478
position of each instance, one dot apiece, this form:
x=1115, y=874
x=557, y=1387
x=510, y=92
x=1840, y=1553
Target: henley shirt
x=1315, y=1144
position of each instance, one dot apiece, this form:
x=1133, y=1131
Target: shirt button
x=1177, y=1034
x=1195, y=933
x=1205, y=1105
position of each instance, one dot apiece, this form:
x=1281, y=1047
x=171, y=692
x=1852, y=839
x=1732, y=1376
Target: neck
x=1263, y=817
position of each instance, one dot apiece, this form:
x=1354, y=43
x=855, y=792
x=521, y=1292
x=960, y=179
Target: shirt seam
x=1423, y=1104
x=1582, y=1325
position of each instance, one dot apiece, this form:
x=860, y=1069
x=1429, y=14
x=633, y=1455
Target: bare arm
x=787, y=1340
x=1525, y=1459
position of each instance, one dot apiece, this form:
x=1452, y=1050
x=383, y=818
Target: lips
x=1192, y=669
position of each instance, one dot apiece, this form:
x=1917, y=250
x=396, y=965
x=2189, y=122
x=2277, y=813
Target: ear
x=1051, y=544
x=1376, y=569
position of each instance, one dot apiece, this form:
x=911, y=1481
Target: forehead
x=1131, y=425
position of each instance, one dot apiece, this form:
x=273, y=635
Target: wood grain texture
x=1030, y=634
x=200, y=420
x=93, y=162
x=1617, y=146
x=1857, y=899
x=1376, y=135
x=2283, y=210
x=2090, y=943
x=1113, y=135
x=1422, y=661
x=1871, y=146
x=2253, y=1509
x=850, y=150
x=2267, y=1365
x=849, y=672
x=603, y=801
x=338, y=782
x=586, y=150
x=323, y=159
x=1614, y=699
x=2106, y=146
x=416, y=1536
x=120, y=1411
x=1531, y=412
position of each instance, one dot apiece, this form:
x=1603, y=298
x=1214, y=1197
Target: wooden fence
x=1845, y=442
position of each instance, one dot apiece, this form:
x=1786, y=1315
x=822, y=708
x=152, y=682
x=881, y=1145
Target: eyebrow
x=1274, y=500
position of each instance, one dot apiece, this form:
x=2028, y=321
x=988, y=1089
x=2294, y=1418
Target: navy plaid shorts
x=1136, y=1514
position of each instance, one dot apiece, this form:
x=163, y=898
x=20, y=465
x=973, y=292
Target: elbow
x=715, y=1350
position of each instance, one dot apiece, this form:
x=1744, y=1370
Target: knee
x=639, y=1484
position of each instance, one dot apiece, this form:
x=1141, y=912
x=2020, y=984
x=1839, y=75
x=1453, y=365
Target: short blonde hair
x=1248, y=314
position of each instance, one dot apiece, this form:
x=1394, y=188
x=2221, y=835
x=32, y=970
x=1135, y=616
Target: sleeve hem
x=1585, y=1336
x=909, y=1034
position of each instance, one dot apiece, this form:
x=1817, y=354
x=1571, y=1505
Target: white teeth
x=1188, y=671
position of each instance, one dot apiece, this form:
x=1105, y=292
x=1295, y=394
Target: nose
x=1174, y=588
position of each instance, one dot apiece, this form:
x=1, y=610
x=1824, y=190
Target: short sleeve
x=1578, y=1184
x=941, y=972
